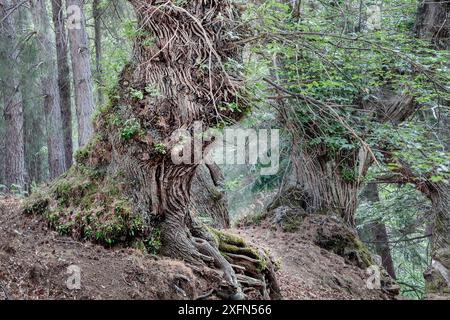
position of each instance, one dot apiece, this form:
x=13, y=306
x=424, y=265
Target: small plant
x=152, y=91
x=153, y=243
x=130, y=129
x=136, y=94
x=148, y=42
x=160, y=148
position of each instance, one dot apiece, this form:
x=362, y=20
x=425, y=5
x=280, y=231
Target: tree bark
x=166, y=87
x=81, y=70
x=208, y=199
x=98, y=50
x=378, y=233
x=437, y=276
x=13, y=107
x=433, y=22
x=325, y=183
x=380, y=240
x=63, y=78
x=50, y=91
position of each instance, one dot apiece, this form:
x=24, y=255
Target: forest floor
x=34, y=264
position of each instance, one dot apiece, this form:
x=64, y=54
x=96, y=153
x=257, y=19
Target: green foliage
x=404, y=212
x=136, y=94
x=152, y=91
x=153, y=242
x=160, y=148
x=130, y=128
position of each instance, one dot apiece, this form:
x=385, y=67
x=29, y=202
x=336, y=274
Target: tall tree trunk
x=98, y=50
x=34, y=115
x=13, y=107
x=437, y=277
x=2, y=146
x=81, y=70
x=380, y=240
x=379, y=236
x=433, y=22
x=50, y=91
x=63, y=78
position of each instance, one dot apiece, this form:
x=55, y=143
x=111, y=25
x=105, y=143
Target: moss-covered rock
x=333, y=235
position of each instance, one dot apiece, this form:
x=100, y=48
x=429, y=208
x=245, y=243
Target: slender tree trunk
x=50, y=91
x=13, y=107
x=63, y=78
x=81, y=70
x=98, y=50
x=2, y=146
x=437, y=277
x=381, y=243
x=378, y=233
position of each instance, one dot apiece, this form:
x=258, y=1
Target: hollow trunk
x=63, y=78
x=81, y=70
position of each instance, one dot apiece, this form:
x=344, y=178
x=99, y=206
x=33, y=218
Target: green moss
x=348, y=174
x=130, y=128
x=37, y=203
x=346, y=244
x=254, y=218
x=233, y=244
x=160, y=148
x=87, y=208
x=223, y=237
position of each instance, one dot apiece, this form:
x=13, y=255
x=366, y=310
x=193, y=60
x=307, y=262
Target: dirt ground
x=308, y=271
x=34, y=264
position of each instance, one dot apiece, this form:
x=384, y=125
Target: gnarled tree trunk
x=176, y=83
x=437, y=277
